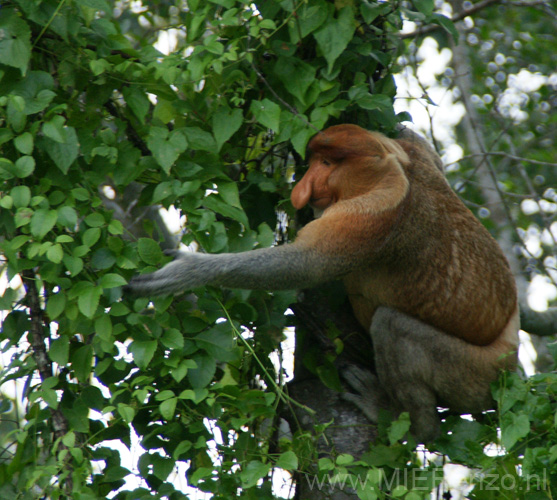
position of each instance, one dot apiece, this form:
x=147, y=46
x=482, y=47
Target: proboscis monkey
x=422, y=273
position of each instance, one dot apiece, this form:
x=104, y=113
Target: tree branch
x=424, y=30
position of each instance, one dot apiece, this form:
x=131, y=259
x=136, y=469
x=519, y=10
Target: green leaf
x=202, y=375
x=55, y=305
x=54, y=129
x=167, y=408
x=143, y=352
x=310, y=16
x=55, y=253
x=149, y=251
x=513, y=428
x=88, y=300
x=446, y=24
x=24, y=143
x=225, y=123
x=287, y=461
x=296, y=76
x=165, y=146
x=333, y=37
x=15, y=42
x=112, y=280
x=126, y=412
x=67, y=217
x=73, y=264
x=424, y=6
x=42, y=222
x=95, y=220
x=91, y=236
x=82, y=363
x=137, y=101
x=215, y=203
x=23, y=216
x=399, y=428
x=103, y=327
x=267, y=113
x=63, y=154
x=59, y=351
x=199, y=139
x=21, y=196
x=196, y=396
x=173, y=339
x=254, y=471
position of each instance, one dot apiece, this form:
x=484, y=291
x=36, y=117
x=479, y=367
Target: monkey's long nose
x=301, y=193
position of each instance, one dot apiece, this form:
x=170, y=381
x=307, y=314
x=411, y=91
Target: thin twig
x=457, y=17
x=506, y=155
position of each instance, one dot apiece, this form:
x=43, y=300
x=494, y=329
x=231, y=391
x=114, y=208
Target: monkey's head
x=345, y=161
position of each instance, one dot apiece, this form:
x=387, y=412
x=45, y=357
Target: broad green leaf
x=149, y=251
x=82, y=363
x=196, y=396
x=55, y=305
x=399, y=428
x=59, y=351
x=173, y=339
x=142, y=352
x=310, y=16
x=55, y=129
x=424, y=6
x=6, y=201
x=254, y=471
x=55, y=253
x=91, y=236
x=202, y=375
x=112, y=280
x=296, y=76
x=103, y=327
x=73, y=264
x=15, y=42
x=137, y=100
x=215, y=203
x=287, y=461
x=162, y=466
x=167, y=408
x=225, y=123
x=21, y=196
x=63, y=154
x=513, y=428
x=446, y=24
x=24, y=166
x=24, y=143
x=126, y=412
x=165, y=146
x=199, y=139
x=88, y=300
x=23, y=216
x=376, y=101
x=67, y=217
x=95, y=219
x=333, y=37
x=42, y=222
x=267, y=113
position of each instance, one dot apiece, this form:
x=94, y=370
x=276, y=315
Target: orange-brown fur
x=425, y=252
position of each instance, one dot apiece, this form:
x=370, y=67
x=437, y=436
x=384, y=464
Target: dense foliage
x=97, y=127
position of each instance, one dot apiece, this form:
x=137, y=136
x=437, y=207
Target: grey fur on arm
x=277, y=268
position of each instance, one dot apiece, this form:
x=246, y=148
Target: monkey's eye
x=327, y=163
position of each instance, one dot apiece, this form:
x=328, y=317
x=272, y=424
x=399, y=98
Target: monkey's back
x=439, y=264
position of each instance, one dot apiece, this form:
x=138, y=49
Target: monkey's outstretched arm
x=284, y=267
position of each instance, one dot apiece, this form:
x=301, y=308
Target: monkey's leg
x=421, y=367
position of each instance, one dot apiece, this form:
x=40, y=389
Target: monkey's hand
x=188, y=270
